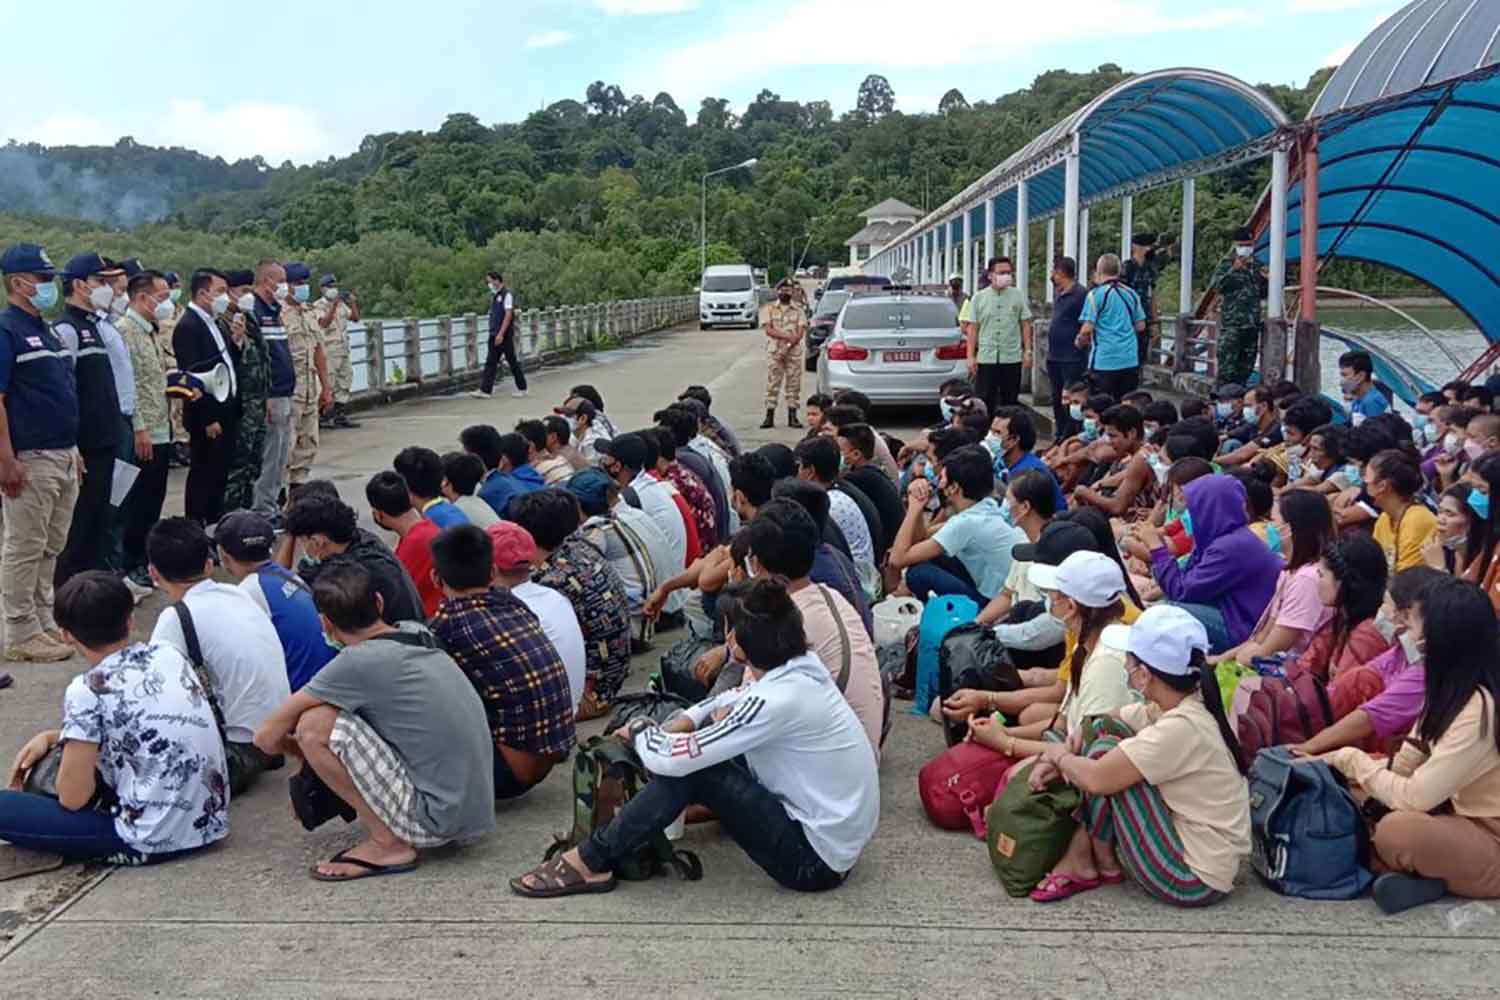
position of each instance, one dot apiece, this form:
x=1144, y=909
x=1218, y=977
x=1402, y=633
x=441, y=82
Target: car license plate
x=896, y=357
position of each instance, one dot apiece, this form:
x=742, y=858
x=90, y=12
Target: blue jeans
x=942, y=576
x=40, y=823
x=1212, y=620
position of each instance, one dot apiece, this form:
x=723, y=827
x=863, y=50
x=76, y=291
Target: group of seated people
x=1164, y=544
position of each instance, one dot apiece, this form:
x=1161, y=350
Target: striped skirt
x=1138, y=824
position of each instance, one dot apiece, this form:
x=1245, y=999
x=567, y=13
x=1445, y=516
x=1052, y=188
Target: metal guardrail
x=391, y=355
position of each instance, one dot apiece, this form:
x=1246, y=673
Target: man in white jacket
x=807, y=800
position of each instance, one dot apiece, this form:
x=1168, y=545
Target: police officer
x=38, y=455
x=1241, y=286
x=252, y=369
x=264, y=306
x=314, y=394
x=956, y=292
x=786, y=328
x=1141, y=272
x=88, y=280
x=334, y=313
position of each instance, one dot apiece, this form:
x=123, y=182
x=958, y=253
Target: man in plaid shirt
x=500, y=645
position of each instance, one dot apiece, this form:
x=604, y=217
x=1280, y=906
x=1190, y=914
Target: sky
x=227, y=80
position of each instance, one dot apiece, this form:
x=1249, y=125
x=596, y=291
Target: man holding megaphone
x=212, y=422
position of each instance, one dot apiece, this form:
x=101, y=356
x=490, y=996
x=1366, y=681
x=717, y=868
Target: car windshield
x=908, y=314
x=726, y=283
x=831, y=303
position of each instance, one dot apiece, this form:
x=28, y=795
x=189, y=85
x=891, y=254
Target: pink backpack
x=1270, y=711
x=958, y=785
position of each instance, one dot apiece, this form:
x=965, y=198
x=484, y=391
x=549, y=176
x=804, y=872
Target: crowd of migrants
x=1143, y=565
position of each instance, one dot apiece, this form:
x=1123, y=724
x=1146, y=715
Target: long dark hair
x=1098, y=525
x=1093, y=622
x=1462, y=657
x=1487, y=467
x=1480, y=541
x=1206, y=682
x=1310, y=519
x=1358, y=563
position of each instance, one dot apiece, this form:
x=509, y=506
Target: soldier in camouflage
x=333, y=312
x=786, y=327
x=1241, y=286
x=1141, y=272
x=252, y=371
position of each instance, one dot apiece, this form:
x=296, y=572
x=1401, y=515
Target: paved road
x=922, y=914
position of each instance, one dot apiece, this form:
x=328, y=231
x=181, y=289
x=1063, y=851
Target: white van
x=726, y=296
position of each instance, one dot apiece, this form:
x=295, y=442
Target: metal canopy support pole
x=969, y=251
x=1085, y=266
x=1070, y=206
x=1307, y=372
x=1023, y=240
x=1127, y=223
x=950, y=255
x=1273, y=349
x=989, y=230
x=1185, y=292
x=1051, y=254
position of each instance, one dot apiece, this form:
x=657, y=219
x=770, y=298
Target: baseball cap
x=1143, y=240
x=591, y=487
x=246, y=536
x=627, y=449
x=786, y=283
x=327, y=280
x=131, y=266
x=955, y=276
x=1058, y=540
x=1230, y=390
x=26, y=258
x=1092, y=579
x=1163, y=637
x=84, y=265
x=173, y=279
x=514, y=546
x=296, y=272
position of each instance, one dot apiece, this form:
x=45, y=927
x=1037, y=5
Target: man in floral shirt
x=567, y=563
x=692, y=489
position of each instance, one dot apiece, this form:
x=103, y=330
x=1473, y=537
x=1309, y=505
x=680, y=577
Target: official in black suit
x=212, y=426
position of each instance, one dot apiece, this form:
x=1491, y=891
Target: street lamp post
x=703, y=212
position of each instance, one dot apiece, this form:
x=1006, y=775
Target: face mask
x=1352, y=473
x=1151, y=430
x=1158, y=468
x=1421, y=422
x=301, y=293
x=102, y=298
x=1006, y=513
x=946, y=409
x=330, y=294
x=163, y=310
x=1313, y=469
x=119, y=305
x=174, y=296
x=1412, y=647
x=1450, y=443
x=1242, y=250
x=333, y=643
x=1296, y=450
x=1473, y=449
x=45, y=296
x=1348, y=385
x=1003, y=280
x=220, y=304
x=1453, y=544
x=1075, y=410
x=1223, y=410
x=1479, y=503
x=995, y=443
x=1090, y=429
x=1249, y=415
x=282, y=289
x=247, y=303
x=843, y=464
x=783, y=299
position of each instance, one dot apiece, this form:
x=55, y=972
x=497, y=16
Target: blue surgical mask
x=1351, y=473
x=1075, y=410
x=946, y=409
x=301, y=293
x=1479, y=503
x=45, y=296
x=1090, y=429
x=1006, y=514
x=1421, y=421
x=1223, y=410
x=1249, y=414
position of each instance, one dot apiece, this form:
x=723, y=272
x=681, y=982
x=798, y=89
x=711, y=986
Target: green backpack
x=1029, y=831
x=606, y=775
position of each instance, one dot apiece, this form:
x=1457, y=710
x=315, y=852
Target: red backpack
x=958, y=784
x=1273, y=710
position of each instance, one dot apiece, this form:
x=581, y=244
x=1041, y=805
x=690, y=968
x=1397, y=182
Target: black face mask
x=784, y=298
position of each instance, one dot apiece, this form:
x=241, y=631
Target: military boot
x=341, y=417
x=770, y=420
x=791, y=418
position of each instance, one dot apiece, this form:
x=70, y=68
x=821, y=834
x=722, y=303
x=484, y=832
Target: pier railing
x=396, y=357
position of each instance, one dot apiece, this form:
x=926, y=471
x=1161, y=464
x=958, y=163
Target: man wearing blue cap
x=314, y=394
x=88, y=281
x=38, y=455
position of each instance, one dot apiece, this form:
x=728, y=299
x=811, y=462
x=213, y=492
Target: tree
x=607, y=101
x=876, y=98
x=952, y=101
x=714, y=113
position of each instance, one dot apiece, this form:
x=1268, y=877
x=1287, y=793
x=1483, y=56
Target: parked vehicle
x=820, y=328
x=895, y=347
x=727, y=297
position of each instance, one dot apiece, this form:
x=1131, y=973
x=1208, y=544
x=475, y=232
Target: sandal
x=1111, y=878
x=590, y=707
x=557, y=878
x=1058, y=886
x=371, y=869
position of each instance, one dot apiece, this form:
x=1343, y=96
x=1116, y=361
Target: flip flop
x=558, y=878
x=1057, y=886
x=371, y=869
x=1112, y=878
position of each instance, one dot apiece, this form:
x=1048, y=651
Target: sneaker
x=479, y=394
x=1397, y=891
x=39, y=649
x=138, y=592
x=520, y=394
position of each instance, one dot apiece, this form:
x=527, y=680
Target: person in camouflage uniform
x=1141, y=272
x=333, y=313
x=179, y=447
x=1241, y=286
x=786, y=326
x=252, y=371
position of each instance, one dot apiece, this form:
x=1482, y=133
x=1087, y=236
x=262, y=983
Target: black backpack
x=677, y=663
x=971, y=657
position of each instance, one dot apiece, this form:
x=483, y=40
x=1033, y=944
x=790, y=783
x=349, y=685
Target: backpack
x=971, y=657
x=653, y=703
x=1308, y=837
x=677, y=663
x=939, y=617
x=1028, y=832
x=606, y=775
x=1275, y=709
x=958, y=784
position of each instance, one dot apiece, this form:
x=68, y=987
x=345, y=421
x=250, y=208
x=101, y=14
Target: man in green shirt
x=997, y=328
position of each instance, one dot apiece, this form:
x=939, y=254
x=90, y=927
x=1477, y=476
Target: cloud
x=1333, y=6
x=1339, y=55
x=547, y=39
x=616, y=8
x=801, y=36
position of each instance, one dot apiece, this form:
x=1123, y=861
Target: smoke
x=36, y=179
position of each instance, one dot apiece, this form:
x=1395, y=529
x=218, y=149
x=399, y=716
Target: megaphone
x=192, y=385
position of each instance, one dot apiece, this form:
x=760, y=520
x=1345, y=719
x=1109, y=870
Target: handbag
x=1029, y=831
x=958, y=785
x=42, y=780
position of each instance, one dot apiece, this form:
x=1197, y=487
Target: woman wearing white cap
x=1084, y=593
x=1164, y=794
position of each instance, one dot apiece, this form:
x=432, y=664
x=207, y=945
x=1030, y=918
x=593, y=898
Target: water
x=1396, y=336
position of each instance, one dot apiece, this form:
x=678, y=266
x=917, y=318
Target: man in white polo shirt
x=515, y=551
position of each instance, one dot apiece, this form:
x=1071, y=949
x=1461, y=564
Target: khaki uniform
x=303, y=337
x=336, y=346
x=783, y=360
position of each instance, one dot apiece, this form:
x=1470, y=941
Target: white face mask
x=163, y=310
x=247, y=302
x=119, y=305
x=1450, y=443
x=1002, y=280
x=102, y=297
x=1412, y=647
x=330, y=294
x=1243, y=251
x=283, y=290
x=220, y=304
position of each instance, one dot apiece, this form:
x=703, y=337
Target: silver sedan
x=893, y=347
